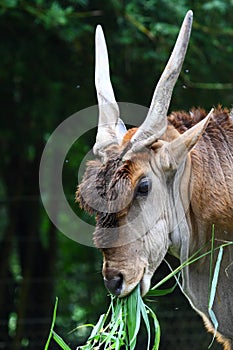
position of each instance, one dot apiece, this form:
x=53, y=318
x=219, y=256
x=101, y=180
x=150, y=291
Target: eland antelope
x=159, y=188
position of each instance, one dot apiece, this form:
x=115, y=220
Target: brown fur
x=129, y=135
x=211, y=159
x=212, y=199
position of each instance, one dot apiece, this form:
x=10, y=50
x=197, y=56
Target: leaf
x=114, y=327
x=213, y=292
x=52, y=325
x=132, y=319
x=192, y=259
x=147, y=322
x=161, y=292
x=60, y=341
x=98, y=326
x=215, y=278
x=211, y=259
x=133, y=316
x=80, y=327
x=157, y=329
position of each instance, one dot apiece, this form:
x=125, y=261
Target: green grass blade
x=52, y=325
x=213, y=292
x=133, y=316
x=114, y=327
x=60, y=341
x=192, y=259
x=126, y=340
x=160, y=292
x=98, y=326
x=80, y=327
x=215, y=278
x=215, y=322
x=147, y=322
x=138, y=320
x=211, y=259
x=157, y=329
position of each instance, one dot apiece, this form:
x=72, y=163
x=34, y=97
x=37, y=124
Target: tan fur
x=225, y=342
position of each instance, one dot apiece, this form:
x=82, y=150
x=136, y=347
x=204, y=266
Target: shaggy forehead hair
x=107, y=189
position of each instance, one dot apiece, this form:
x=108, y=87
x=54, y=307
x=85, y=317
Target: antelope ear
x=180, y=147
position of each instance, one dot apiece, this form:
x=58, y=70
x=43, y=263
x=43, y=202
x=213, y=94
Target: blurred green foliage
x=46, y=74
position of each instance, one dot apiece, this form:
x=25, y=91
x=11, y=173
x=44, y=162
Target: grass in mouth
x=120, y=325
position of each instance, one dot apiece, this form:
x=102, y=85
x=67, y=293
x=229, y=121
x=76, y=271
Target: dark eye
x=143, y=187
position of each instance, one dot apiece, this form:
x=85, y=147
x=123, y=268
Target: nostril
x=114, y=284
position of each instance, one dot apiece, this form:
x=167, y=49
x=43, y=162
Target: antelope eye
x=143, y=187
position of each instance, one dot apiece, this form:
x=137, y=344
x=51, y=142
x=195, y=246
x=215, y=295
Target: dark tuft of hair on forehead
x=102, y=183
x=105, y=174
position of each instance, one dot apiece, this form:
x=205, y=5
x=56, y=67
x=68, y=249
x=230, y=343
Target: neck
x=180, y=212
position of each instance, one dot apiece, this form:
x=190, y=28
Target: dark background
x=47, y=74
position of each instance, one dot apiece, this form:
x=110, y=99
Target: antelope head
x=133, y=185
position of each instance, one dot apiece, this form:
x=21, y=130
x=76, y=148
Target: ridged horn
x=155, y=123
x=108, y=108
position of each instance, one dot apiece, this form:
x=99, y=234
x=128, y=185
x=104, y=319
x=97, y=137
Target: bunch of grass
x=120, y=325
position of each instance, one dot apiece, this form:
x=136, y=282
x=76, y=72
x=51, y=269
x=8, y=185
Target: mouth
x=144, y=283
x=120, y=285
